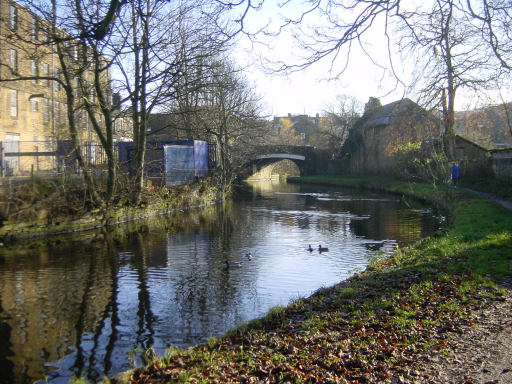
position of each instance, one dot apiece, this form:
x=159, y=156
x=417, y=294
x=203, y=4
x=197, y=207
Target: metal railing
x=24, y=158
x=51, y=158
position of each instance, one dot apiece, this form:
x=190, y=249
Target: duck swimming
x=322, y=249
x=309, y=248
x=248, y=255
x=234, y=264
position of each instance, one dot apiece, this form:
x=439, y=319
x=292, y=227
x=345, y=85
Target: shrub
x=417, y=162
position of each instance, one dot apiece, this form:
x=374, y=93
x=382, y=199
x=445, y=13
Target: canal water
x=90, y=306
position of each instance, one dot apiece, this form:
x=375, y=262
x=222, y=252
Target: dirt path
x=506, y=203
x=481, y=353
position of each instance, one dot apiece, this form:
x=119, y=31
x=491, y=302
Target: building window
x=46, y=110
x=46, y=35
x=57, y=111
x=14, y=103
x=34, y=105
x=34, y=29
x=118, y=126
x=46, y=73
x=56, y=84
x=13, y=60
x=34, y=69
x=13, y=17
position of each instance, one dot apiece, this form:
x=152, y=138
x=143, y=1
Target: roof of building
x=383, y=115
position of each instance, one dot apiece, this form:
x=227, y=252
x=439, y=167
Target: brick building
x=33, y=107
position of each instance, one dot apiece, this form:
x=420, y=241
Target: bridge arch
x=273, y=169
x=270, y=161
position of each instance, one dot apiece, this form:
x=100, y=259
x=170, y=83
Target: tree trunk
x=139, y=113
x=448, y=95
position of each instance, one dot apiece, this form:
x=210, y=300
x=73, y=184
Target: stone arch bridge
x=273, y=161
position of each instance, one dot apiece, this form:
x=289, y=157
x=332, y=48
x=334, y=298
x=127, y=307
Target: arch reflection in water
x=88, y=307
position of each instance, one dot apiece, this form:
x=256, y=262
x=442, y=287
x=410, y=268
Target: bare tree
x=448, y=57
x=164, y=41
x=229, y=114
x=445, y=36
x=336, y=122
x=92, y=82
x=494, y=20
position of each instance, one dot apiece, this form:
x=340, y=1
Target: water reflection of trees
x=86, y=305
x=6, y=366
x=50, y=302
x=392, y=221
x=203, y=293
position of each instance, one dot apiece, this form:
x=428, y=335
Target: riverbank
x=37, y=219
x=404, y=319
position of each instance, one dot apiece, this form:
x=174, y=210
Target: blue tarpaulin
x=182, y=161
x=201, y=158
x=179, y=164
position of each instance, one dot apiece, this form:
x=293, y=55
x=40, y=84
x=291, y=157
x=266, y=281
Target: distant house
x=502, y=161
x=381, y=132
x=302, y=126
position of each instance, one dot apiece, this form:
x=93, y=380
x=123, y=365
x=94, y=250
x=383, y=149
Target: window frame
x=34, y=28
x=13, y=60
x=46, y=72
x=34, y=70
x=13, y=17
x=46, y=110
x=13, y=103
x=56, y=74
x=34, y=105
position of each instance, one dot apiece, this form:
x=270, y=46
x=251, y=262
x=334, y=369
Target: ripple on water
x=163, y=288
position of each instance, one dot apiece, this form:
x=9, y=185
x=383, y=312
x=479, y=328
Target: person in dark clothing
x=455, y=173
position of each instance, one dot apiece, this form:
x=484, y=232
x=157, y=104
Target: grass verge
x=378, y=326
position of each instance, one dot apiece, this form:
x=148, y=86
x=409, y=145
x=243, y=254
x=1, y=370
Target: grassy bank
x=41, y=208
x=381, y=325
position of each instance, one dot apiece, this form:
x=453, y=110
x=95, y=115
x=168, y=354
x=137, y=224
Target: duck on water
x=322, y=249
x=233, y=264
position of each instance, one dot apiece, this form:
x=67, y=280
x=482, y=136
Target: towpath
x=506, y=203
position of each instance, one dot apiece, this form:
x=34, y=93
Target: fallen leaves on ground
x=375, y=327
